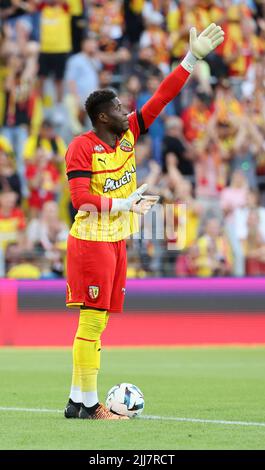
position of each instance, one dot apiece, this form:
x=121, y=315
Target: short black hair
x=96, y=102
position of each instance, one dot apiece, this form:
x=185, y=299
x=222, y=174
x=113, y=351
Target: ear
x=103, y=117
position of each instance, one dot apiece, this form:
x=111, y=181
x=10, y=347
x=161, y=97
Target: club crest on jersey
x=126, y=146
x=112, y=185
x=99, y=148
x=93, y=292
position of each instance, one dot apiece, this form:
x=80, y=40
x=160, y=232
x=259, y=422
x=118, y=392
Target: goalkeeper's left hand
x=136, y=202
x=207, y=41
x=145, y=204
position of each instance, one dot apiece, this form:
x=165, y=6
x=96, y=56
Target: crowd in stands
x=204, y=155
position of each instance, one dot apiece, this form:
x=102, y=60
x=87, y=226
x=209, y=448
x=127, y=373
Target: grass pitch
x=215, y=384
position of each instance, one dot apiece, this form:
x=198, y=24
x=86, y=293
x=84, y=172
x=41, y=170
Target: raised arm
x=170, y=87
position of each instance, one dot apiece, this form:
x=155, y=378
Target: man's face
x=117, y=117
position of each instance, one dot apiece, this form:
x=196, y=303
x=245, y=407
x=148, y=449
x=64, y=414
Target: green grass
x=208, y=383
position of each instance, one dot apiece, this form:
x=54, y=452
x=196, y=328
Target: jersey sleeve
x=136, y=124
x=79, y=171
x=78, y=159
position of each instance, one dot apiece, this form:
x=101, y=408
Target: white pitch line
x=30, y=410
x=151, y=417
x=198, y=420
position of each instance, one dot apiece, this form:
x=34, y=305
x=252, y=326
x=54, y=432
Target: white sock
x=76, y=394
x=89, y=398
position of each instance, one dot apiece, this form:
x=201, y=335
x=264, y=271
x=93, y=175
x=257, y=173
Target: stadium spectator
x=47, y=140
x=55, y=43
x=234, y=195
x=43, y=178
x=22, y=265
x=190, y=224
x=179, y=18
x=79, y=67
x=196, y=116
x=47, y=234
x=18, y=105
x=5, y=145
x=241, y=214
x=145, y=65
x=108, y=16
x=133, y=86
x=12, y=220
x=214, y=255
x=16, y=13
x=47, y=229
x=247, y=146
x=133, y=19
x=175, y=142
x=156, y=38
x=211, y=175
x=254, y=246
x=147, y=169
x=186, y=263
x=78, y=23
x=9, y=179
x=157, y=129
x=186, y=217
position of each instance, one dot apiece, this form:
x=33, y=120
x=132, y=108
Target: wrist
x=189, y=62
x=120, y=205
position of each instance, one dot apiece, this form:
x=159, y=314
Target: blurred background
x=206, y=150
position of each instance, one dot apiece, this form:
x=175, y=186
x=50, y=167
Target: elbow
x=75, y=203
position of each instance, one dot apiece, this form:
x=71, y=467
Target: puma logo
x=101, y=160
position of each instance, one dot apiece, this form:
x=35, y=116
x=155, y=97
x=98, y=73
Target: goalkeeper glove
x=136, y=202
x=207, y=41
x=202, y=45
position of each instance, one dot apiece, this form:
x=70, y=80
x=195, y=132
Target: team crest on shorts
x=93, y=292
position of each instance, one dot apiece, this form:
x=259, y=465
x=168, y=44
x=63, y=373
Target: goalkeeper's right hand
x=136, y=202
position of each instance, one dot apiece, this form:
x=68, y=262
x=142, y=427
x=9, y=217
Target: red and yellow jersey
x=112, y=174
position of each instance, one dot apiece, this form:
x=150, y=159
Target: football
x=125, y=399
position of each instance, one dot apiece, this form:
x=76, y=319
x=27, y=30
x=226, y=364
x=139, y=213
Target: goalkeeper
x=101, y=171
